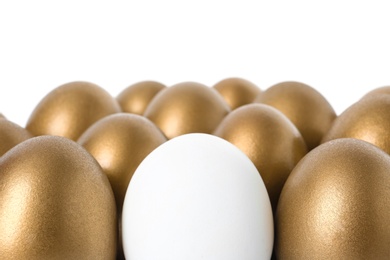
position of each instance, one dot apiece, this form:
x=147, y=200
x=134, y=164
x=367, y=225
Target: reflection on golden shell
x=269, y=139
x=309, y=111
x=237, y=91
x=187, y=108
x=135, y=98
x=70, y=109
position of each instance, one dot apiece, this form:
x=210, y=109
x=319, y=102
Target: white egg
x=197, y=197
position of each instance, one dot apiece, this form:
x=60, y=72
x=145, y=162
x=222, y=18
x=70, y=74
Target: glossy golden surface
x=119, y=143
x=335, y=204
x=368, y=120
x=187, y=107
x=237, y=91
x=55, y=203
x=269, y=139
x=11, y=134
x=309, y=111
x=135, y=98
x=70, y=109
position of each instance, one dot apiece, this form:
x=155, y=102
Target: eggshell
x=367, y=120
x=335, y=204
x=269, y=139
x=197, y=197
x=135, y=98
x=187, y=107
x=70, y=109
x=309, y=111
x=11, y=134
x=55, y=203
x=237, y=91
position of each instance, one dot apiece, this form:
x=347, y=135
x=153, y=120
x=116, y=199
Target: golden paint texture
x=55, y=203
x=335, y=204
x=309, y=111
x=135, y=98
x=11, y=134
x=119, y=143
x=187, y=108
x=70, y=109
x=368, y=120
x=269, y=139
x=237, y=91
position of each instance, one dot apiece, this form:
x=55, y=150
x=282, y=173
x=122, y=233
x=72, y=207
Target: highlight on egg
x=269, y=139
x=135, y=98
x=367, y=120
x=335, y=204
x=237, y=91
x=119, y=143
x=11, y=134
x=187, y=107
x=309, y=111
x=55, y=203
x=70, y=109
x=197, y=197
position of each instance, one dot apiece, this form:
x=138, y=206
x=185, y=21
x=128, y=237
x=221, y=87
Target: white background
x=341, y=48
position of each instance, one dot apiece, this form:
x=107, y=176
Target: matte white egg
x=197, y=197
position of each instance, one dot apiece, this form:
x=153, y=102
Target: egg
x=368, y=120
x=11, y=134
x=187, y=107
x=378, y=91
x=70, y=109
x=197, y=197
x=119, y=143
x=237, y=91
x=269, y=139
x=335, y=204
x=55, y=203
x=135, y=98
x=304, y=106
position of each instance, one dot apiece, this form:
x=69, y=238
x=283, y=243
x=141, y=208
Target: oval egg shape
x=187, y=107
x=55, y=203
x=309, y=111
x=335, y=204
x=11, y=134
x=70, y=109
x=237, y=91
x=367, y=120
x=269, y=139
x=197, y=197
x=135, y=98
x=119, y=143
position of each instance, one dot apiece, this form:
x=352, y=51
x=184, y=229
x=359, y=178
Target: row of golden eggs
x=275, y=128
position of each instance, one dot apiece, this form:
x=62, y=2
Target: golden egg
x=11, y=134
x=237, y=91
x=378, y=91
x=187, y=108
x=70, y=109
x=309, y=111
x=269, y=139
x=335, y=204
x=119, y=143
x=135, y=98
x=368, y=120
x=55, y=203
